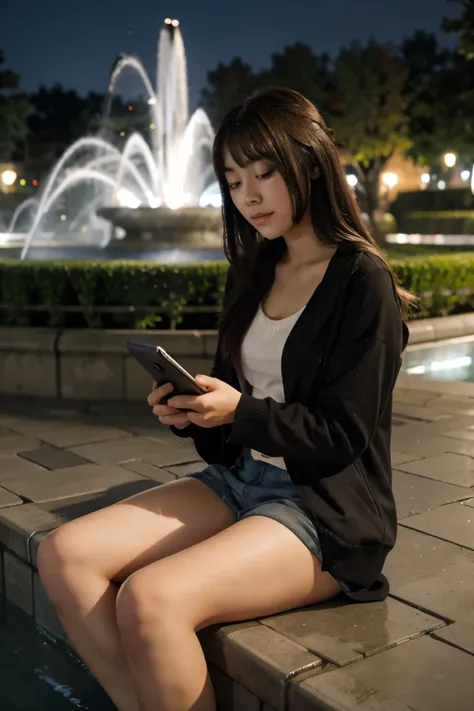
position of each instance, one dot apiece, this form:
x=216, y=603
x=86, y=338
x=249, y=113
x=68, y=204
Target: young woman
x=296, y=504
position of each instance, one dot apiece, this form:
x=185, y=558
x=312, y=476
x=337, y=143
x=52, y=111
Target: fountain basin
x=194, y=227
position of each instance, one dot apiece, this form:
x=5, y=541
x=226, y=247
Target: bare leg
x=82, y=563
x=256, y=567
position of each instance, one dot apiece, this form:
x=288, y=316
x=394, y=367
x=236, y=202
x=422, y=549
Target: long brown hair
x=281, y=126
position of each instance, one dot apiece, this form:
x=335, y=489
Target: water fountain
x=157, y=196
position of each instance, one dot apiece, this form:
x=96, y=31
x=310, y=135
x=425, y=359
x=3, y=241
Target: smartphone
x=164, y=369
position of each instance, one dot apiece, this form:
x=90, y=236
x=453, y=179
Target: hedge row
x=432, y=200
x=447, y=222
x=141, y=295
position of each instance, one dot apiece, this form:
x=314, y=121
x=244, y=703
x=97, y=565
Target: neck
x=304, y=246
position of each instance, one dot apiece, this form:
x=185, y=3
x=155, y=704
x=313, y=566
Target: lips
x=260, y=216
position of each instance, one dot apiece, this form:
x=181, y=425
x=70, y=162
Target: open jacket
x=339, y=367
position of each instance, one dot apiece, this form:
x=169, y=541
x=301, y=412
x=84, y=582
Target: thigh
x=256, y=567
x=122, y=538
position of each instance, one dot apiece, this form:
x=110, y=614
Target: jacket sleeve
x=338, y=424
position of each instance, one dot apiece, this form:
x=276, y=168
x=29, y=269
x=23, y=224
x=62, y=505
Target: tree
x=464, y=26
x=368, y=108
x=228, y=85
x=298, y=67
x=14, y=111
x=440, y=99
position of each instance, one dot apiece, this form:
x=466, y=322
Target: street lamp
x=9, y=177
x=450, y=160
x=352, y=180
x=390, y=179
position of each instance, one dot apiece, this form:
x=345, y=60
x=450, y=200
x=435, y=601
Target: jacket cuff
x=251, y=413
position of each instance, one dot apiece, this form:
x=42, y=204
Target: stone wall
x=94, y=364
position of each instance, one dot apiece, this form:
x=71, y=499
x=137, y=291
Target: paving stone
x=432, y=574
x=243, y=700
x=460, y=635
x=19, y=523
x=401, y=458
x=412, y=397
x=256, y=657
x=183, y=469
x=458, y=405
x=142, y=448
x=451, y=468
x=70, y=434
x=423, y=675
x=72, y=481
x=150, y=471
x=8, y=499
x=53, y=458
x=44, y=613
x=454, y=523
x=13, y=468
x=469, y=502
x=419, y=412
x=223, y=689
x=464, y=434
x=342, y=633
x=415, y=494
x=18, y=582
x=17, y=443
x=171, y=457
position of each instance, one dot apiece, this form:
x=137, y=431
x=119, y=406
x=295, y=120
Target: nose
x=252, y=197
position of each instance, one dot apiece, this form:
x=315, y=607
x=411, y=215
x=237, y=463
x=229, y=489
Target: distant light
x=390, y=179
x=153, y=126
x=425, y=178
x=352, y=180
x=35, y=183
x=450, y=160
x=122, y=133
x=9, y=177
x=130, y=107
x=441, y=185
x=63, y=218
x=168, y=21
x=151, y=101
x=22, y=182
x=126, y=198
x=465, y=175
x=175, y=23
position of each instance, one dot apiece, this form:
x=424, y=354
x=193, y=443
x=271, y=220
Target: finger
x=187, y=402
x=197, y=419
x=164, y=411
x=176, y=420
x=160, y=392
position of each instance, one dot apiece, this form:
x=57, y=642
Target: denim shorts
x=256, y=488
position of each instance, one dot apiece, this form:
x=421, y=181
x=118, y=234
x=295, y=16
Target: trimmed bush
x=142, y=295
x=432, y=201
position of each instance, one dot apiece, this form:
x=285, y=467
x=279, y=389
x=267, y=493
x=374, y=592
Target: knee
x=59, y=549
x=146, y=605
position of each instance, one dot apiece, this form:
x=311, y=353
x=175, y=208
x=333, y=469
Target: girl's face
x=260, y=194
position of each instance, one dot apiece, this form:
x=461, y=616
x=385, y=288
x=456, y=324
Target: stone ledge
x=93, y=364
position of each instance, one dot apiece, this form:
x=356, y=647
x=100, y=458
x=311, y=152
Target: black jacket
x=339, y=367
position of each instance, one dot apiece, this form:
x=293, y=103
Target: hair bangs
x=247, y=139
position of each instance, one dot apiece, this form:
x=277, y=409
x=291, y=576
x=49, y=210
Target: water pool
x=446, y=360
x=38, y=675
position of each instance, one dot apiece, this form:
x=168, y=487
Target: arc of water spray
x=70, y=180
x=29, y=203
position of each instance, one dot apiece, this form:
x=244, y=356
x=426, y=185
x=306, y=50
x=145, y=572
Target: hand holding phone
x=167, y=415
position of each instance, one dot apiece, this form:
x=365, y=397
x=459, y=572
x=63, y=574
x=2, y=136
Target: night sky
x=74, y=43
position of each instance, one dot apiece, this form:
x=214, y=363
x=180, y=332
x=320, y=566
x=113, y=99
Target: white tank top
x=262, y=350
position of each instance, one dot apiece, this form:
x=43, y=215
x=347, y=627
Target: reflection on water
x=447, y=360
x=35, y=675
